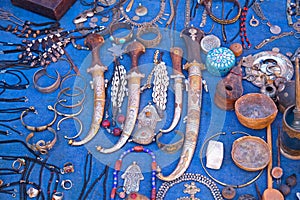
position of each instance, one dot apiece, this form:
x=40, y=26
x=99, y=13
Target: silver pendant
x=190, y=189
x=275, y=29
x=141, y=10
x=132, y=177
x=147, y=121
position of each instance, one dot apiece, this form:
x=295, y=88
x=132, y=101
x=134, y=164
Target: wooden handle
x=94, y=42
x=176, y=56
x=297, y=82
x=269, y=141
x=135, y=50
x=192, y=37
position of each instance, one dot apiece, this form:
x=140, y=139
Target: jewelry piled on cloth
x=210, y=184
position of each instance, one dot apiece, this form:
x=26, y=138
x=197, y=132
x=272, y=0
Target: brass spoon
x=270, y=193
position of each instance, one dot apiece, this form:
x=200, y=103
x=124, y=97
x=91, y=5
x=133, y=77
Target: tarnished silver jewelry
x=209, y=42
x=32, y=192
x=118, y=89
x=75, y=119
x=66, y=184
x=253, y=21
x=160, y=82
x=57, y=196
x=147, y=121
x=132, y=177
x=210, y=184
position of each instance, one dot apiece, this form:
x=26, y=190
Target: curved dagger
x=135, y=50
x=176, y=56
x=192, y=37
x=97, y=69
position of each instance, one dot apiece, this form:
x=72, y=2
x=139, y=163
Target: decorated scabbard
x=176, y=56
x=192, y=37
x=97, y=69
x=135, y=50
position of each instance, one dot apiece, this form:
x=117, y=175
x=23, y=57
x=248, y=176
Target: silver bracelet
x=210, y=184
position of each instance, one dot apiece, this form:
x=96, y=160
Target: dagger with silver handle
x=97, y=69
x=135, y=50
x=176, y=56
x=192, y=37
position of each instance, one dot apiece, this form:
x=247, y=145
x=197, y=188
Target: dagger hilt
x=176, y=56
x=94, y=42
x=192, y=37
x=135, y=50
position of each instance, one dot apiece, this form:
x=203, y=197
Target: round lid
x=209, y=42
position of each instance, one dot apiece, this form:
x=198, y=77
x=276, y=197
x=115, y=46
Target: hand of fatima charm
x=97, y=69
x=135, y=50
x=192, y=37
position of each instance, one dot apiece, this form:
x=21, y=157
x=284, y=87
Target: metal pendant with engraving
x=132, y=177
x=148, y=119
x=190, y=189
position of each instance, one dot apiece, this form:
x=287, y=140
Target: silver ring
x=64, y=184
x=253, y=22
x=57, y=196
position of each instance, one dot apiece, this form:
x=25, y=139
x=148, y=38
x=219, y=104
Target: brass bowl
x=250, y=153
x=255, y=110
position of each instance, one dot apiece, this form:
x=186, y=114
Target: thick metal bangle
x=37, y=128
x=66, y=114
x=63, y=91
x=219, y=182
x=118, y=25
x=170, y=148
x=149, y=29
x=51, y=88
x=208, y=5
x=62, y=76
x=74, y=118
x=69, y=77
x=41, y=145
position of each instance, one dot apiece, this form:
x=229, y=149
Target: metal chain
x=275, y=37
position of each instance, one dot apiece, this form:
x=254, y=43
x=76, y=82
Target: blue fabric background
x=213, y=119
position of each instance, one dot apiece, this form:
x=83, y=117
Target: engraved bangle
x=64, y=184
x=51, y=88
x=219, y=182
x=37, y=128
x=119, y=25
x=69, y=77
x=170, y=148
x=64, y=75
x=74, y=118
x=63, y=91
x=41, y=145
x=149, y=29
x=67, y=114
x=208, y=6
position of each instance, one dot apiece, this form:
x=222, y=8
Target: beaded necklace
x=118, y=166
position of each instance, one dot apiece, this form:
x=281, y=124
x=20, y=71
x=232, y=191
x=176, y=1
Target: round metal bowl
x=255, y=110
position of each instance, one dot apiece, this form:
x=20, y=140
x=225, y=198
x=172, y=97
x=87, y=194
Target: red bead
x=121, y=118
x=106, y=123
x=138, y=148
x=117, y=131
x=133, y=195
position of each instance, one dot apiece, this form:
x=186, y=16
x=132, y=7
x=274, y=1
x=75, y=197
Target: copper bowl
x=255, y=110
